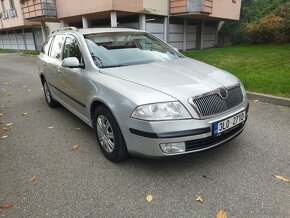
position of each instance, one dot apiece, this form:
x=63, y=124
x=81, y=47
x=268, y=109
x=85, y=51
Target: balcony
x=191, y=6
x=4, y=15
x=39, y=10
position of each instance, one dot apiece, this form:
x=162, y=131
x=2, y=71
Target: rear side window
x=57, y=46
x=46, y=45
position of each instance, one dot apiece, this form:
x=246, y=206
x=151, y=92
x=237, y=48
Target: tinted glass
x=56, y=46
x=46, y=45
x=123, y=49
x=71, y=49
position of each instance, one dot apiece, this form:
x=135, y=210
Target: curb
x=269, y=99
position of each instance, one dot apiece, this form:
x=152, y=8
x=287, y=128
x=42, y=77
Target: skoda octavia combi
x=140, y=95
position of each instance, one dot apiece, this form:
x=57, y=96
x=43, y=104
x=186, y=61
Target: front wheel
x=109, y=136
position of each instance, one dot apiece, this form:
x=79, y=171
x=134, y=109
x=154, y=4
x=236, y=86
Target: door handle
x=59, y=71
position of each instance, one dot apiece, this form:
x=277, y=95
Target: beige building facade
x=185, y=24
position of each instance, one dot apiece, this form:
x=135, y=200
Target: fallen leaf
x=78, y=129
x=5, y=83
x=75, y=146
x=221, y=214
x=9, y=124
x=7, y=129
x=6, y=206
x=199, y=199
x=3, y=113
x=33, y=178
x=255, y=100
x=39, y=110
x=1, y=122
x=282, y=178
x=50, y=127
x=4, y=137
x=24, y=114
x=8, y=94
x=149, y=198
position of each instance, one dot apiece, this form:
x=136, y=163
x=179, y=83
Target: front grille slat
x=213, y=104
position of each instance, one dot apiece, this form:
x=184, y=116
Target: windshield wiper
x=117, y=65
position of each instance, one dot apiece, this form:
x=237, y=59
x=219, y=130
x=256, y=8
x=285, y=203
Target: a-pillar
x=85, y=22
x=142, y=22
x=113, y=19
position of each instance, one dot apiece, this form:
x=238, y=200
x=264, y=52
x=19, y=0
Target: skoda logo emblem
x=223, y=93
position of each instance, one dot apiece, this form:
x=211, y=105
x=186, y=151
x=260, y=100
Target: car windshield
x=128, y=48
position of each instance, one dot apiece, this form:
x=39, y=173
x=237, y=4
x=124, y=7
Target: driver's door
x=71, y=80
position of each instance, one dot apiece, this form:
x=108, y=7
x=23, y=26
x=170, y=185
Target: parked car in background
x=141, y=96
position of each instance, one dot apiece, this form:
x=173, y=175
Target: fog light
x=171, y=148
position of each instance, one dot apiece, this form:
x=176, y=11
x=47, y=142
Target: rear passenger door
x=71, y=80
x=53, y=63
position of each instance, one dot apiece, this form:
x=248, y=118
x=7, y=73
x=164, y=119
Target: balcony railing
x=12, y=12
x=202, y=6
x=39, y=8
x=191, y=6
x=4, y=15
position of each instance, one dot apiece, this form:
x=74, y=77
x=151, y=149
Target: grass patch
x=6, y=51
x=261, y=68
x=31, y=53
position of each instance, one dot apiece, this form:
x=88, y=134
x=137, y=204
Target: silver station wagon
x=140, y=95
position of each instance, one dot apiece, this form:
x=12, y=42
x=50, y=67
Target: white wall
x=209, y=36
x=191, y=37
x=176, y=36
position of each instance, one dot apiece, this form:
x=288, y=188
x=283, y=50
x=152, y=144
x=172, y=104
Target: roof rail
x=65, y=28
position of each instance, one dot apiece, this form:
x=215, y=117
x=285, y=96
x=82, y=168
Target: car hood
x=181, y=78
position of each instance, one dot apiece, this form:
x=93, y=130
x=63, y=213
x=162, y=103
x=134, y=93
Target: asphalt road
x=237, y=176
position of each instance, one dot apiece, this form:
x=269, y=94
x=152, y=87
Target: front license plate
x=229, y=123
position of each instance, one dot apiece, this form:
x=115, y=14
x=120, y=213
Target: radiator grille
x=214, y=104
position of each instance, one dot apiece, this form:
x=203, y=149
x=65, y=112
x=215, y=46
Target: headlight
x=161, y=111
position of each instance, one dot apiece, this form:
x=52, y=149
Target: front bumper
x=144, y=138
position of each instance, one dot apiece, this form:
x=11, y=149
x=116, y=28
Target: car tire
x=47, y=93
x=109, y=135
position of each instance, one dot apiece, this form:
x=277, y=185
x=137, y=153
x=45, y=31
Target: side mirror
x=71, y=62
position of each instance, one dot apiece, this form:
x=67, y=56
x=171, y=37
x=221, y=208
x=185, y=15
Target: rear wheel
x=109, y=136
x=49, y=99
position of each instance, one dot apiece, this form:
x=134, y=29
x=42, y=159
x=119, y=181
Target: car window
x=46, y=45
x=71, y=49
x=56, y=46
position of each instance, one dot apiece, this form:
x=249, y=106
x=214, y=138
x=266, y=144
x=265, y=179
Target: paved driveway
x=237, y=176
